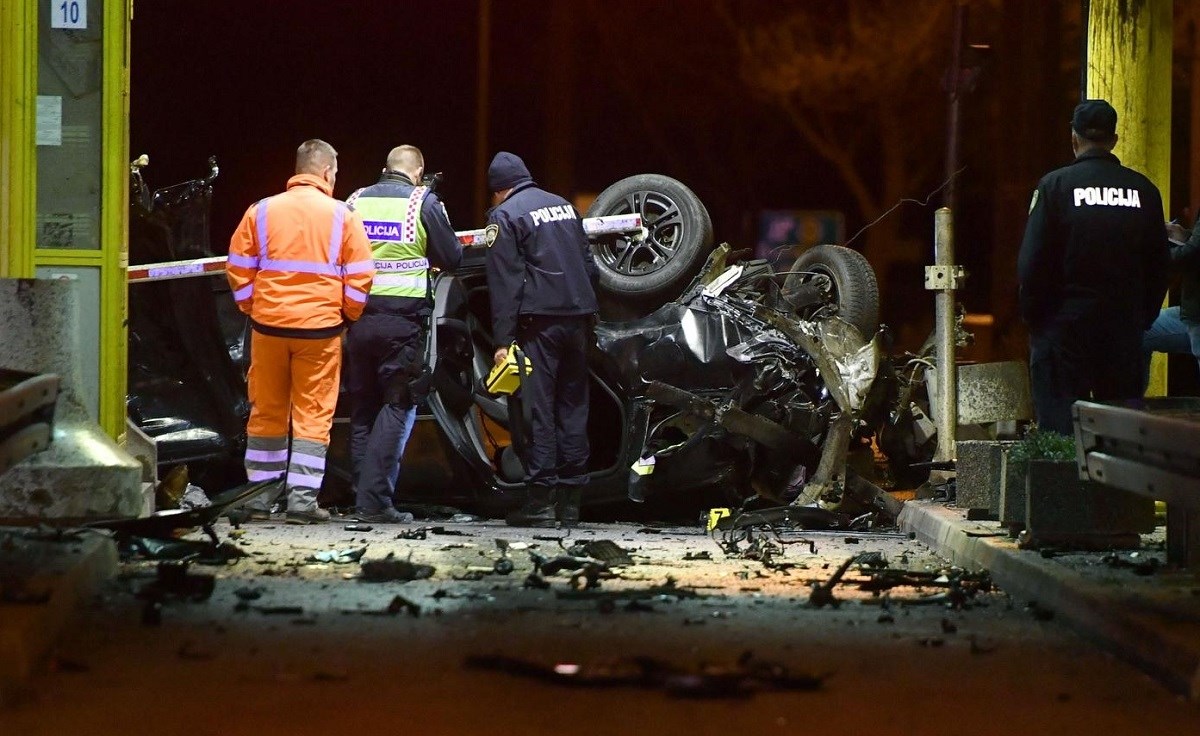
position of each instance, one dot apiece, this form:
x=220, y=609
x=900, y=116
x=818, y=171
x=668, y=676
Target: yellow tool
x=506, y=377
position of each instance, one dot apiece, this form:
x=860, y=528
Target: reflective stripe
x=414, y=209
x=335, y=235
x=243, y=293
x=303, y=480
x=355, y=295
x=267, y=456
x=321, y=269
x=404, y=264
x=260, y=221
x=404, y=280
x=358, y=267
x=243, y=261
x=255, y=476
x=308, y=461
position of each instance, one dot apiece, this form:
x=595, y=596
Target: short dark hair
x=313, y=156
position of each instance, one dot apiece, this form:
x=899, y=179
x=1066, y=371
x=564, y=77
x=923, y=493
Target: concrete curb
x=71, y=572
x=1165, y=646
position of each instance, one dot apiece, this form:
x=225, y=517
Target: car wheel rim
x=663, y=224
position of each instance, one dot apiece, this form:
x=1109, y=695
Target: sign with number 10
x=68, y=13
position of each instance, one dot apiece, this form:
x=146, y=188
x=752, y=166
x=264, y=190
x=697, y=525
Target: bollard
x=944, y=277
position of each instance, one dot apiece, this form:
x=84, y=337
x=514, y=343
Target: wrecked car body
x=726, y=379
x=724, y=388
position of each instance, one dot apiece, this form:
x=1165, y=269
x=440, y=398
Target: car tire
x=678, y=239
x=853, y=289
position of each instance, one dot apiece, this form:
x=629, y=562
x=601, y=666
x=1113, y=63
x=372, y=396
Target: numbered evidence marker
x=68, y=14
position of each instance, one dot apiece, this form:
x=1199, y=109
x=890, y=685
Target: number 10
x=70, y=11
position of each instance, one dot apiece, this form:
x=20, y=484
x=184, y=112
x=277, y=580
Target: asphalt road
x=670, y=645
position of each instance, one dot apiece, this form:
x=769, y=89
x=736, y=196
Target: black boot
x=538, y=511
x=566, y=510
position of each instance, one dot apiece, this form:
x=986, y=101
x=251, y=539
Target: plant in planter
x=1063, y=510
x=1037, y=444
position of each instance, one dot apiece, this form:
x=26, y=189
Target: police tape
x=607, y=225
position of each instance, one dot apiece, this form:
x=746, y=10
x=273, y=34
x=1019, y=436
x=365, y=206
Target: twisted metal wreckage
x=710, y=372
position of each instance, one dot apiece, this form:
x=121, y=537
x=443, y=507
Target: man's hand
x=1176, y=232
x=500, y=355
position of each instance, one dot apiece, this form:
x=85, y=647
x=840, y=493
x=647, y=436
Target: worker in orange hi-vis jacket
x=300, y=266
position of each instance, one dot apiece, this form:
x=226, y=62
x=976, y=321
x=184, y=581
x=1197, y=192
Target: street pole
x=943, y=277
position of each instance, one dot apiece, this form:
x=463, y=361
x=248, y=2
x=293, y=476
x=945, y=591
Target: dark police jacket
x=1095, y=247
x=441, y=244
x=538, y=261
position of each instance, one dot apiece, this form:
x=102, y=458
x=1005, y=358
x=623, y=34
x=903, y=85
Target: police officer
x=1092, y=272
x=386, y=377
x=541, y=278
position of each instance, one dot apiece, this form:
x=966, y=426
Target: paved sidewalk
x=44, y=577
x=1151, y=620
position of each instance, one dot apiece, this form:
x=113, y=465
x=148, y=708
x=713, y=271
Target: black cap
x=1095, y=120
x=506, y=171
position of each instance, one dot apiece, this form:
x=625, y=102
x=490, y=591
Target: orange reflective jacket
x=300, y=260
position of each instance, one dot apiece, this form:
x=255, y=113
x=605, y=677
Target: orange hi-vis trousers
x=292, y=381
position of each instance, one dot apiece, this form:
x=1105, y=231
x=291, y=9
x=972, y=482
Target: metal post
x=943, y=277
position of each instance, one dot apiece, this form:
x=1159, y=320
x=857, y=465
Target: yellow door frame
x=19, y=255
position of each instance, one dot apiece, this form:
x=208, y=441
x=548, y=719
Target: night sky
x=249, y=81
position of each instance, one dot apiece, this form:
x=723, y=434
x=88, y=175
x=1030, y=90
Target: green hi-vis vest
x=397, y=238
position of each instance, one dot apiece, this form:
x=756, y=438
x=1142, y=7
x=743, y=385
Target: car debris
x=392, y=569
x=747, y=676
x=163, y=524
x=1145, y=567
x=399, y=604
x=339, y=557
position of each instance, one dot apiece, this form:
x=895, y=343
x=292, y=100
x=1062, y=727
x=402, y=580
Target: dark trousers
x=383, y=353
x=1082, y=361
x=556, y=394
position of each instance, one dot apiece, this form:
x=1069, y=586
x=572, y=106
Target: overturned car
x=712, y=376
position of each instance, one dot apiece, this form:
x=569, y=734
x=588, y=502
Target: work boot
x=566, y=509
x=387, y=515
x=315, y=515
x=538, y=511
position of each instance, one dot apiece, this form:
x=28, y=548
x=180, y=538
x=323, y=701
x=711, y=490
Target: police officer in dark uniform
x=386, y=376
x=1092, y=272
x=542, y=278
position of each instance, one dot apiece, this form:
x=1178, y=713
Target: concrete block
x=83, y=474
x=1062, y=509
x=1012, y=494
x=977, y=469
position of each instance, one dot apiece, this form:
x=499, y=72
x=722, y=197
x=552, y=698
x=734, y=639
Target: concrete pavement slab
x=44, y=576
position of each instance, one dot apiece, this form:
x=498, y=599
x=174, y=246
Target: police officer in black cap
x=1092, y=272
x=541, y=277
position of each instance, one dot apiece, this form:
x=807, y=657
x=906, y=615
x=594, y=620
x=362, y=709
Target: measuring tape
x=606, y=225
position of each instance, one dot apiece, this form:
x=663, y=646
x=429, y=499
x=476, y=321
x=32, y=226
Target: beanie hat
x=1095, y=120
x=507, y=170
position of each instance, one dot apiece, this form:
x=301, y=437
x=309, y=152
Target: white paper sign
x=68, y=13
x=49, y=120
